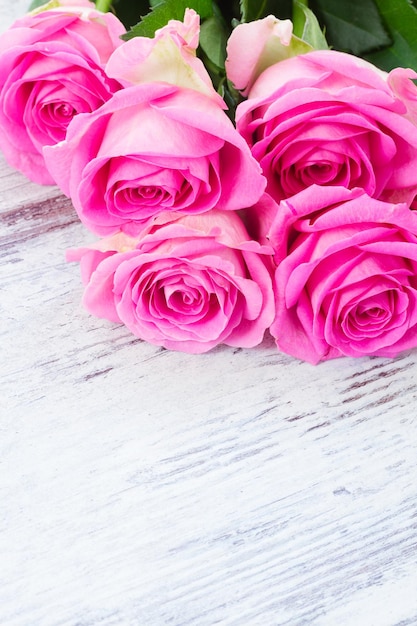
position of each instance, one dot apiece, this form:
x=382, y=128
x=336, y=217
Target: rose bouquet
x=242, y=174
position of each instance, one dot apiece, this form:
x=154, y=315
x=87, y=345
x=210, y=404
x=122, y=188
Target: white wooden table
x=145, y=487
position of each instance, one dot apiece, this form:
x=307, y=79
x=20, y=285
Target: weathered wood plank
x=16, y=191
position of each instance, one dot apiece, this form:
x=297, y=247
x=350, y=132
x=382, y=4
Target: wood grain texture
x=142, y=487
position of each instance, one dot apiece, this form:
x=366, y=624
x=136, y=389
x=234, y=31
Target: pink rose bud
x=188, y=283
x=346, y=278
x=254, y=46
x=52, y=68
x=169, y=57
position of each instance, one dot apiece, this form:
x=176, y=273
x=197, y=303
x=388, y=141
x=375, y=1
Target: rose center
x=372, y=316
x=322, y=172
x=58, y=113
x=372, y=312
x=128, y=199
x=148, y=192
x=182, y=299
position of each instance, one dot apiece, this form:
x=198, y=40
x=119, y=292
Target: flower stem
x=103, y=5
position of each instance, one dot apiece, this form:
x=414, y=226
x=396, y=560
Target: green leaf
x=257, y=9
x=213, y=39
x=354, y=26
x=398, y=55
x=169, y=10
x=43, y=5
x=251, y=10
x=306, y=26
x=401, y=20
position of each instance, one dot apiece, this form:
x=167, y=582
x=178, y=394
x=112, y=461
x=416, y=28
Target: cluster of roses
x=298, y=219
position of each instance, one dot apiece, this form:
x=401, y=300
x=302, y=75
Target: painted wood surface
x=145, y=487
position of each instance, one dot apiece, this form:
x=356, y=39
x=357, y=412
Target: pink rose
x=169, y=57
x=152, y=148
x=187, y=284
x=254, y=46
x=52, y=68
x=329, y=118
x=346, y=278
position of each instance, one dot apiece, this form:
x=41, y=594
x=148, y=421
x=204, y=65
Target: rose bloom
x=152, y=148
x=187, y=284
x=51, y=68
x=346, y=277
x=329, y=118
